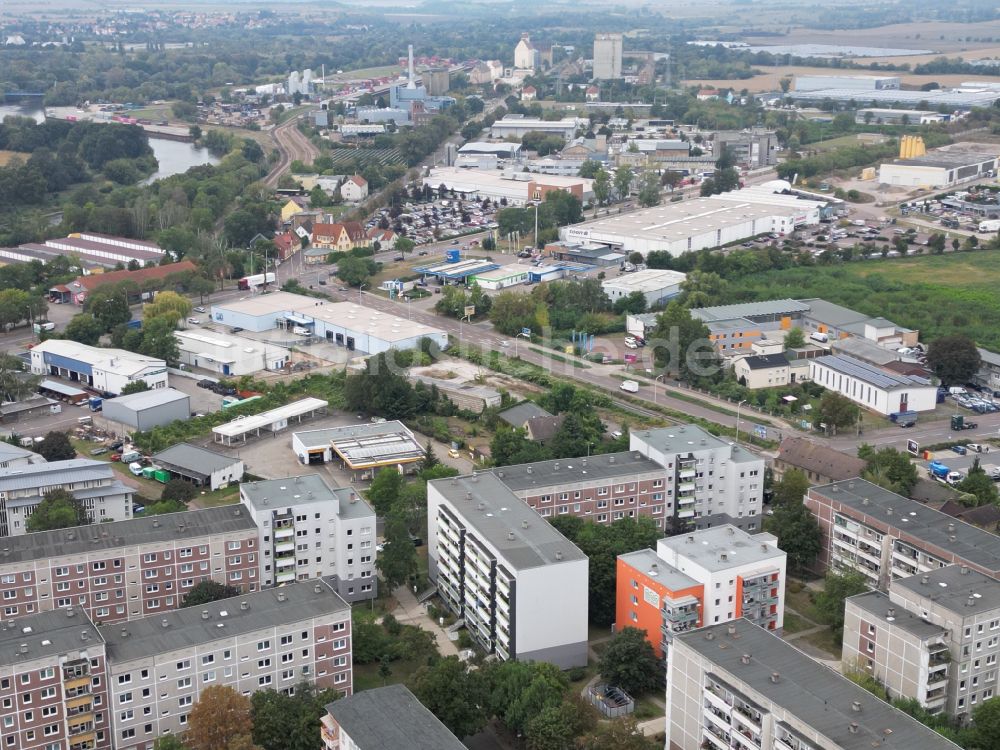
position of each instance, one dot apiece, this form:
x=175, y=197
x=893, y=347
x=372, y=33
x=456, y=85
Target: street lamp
x=738, y=419
x=522, y=333
x=660, y=378
x=360, y=287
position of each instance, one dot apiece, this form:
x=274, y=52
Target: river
x=174, y=157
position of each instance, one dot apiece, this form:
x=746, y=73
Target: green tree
x=602, y=187
x=798, y=534
x=623, y=181
x=85, y=329
x=404, y=245
x=630, y=663
x=136, y=386
x=109, y=305
x=791, y=489
x=519, y=691
x=649, y=193
x=355, y=271
x=207, y=591
x=977, y=484
x=158, y=340
x=168, y=305
x=57, y=510
x=397, y=561
x=15, y=383
x=55, y=446
x=986, y=725
x=180, y=490
x=556, y=727
x=220, y=718
x=836, y=412
x=830, y=601
x=510, y=447
x=889, y=468
x=681, y=345
x=385, y=489
x=454, y=694
x=288, y=722
x=632, y=304
x=794, y=339
x=954, y=359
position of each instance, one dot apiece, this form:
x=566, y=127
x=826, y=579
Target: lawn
x=366, y=676
x=795, y=623
x=824, y=641
x=225, y=496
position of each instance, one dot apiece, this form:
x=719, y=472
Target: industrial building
x=940, y=169
x=165, y=555
x=268, y=640
x=141, y=412
x=501, y=150
x=607, y=57
x=500, y=278
x=464, y=394
x=77, y=291
x=12, y=456
x=655, y=285
x=696, y=224
x=348, y=324
x=932, y=638
x=308, y=530
x=515, y=126
x=103, y=370
x=33, y=406
x=228, y=355
x=99, y=249
x=736, y=680
x=711, y=576
x=880, y=390
x=948, y=99
x=455, y=269
x=854, y=83
x=362, y=449
x=519, y=584
x=735, y=494
x=276, y=420
x=883, y=116
x=359, y=722
x=94, y=483
x=886, y=536
x=517, y=188
x=751, y=148
x=989, y=370
x=200, y=466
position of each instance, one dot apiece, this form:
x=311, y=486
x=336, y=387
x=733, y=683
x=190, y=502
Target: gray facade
x=144, y=411
x=199, y=465
x=750, y=148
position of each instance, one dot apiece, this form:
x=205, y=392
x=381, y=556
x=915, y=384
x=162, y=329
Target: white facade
x=743, y=575
x=525, y=54
x=932, y=175
x=229, y=355
x=517, y=188
x=871, y=387
x=705, y=476
x=308, y=530
x=859, y=83
x=105, y=370
x=654, y=284
x=762, y=377
x=520, y=586
x=502, y=277
x=354, y=189
x=518, y=125
x=607, y=56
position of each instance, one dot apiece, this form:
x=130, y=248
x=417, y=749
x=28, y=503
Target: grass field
x=960, y=270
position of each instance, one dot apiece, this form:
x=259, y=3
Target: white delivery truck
x=629, y=386
x=990, y=225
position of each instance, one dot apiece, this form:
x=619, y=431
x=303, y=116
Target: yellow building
x=294, y=205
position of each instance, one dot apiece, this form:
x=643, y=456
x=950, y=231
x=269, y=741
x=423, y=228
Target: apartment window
x=263, y=645
x=185, y=700
x=182, y=665
x=265, y=680
x=208, y=677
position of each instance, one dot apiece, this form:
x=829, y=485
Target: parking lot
x=448, y=216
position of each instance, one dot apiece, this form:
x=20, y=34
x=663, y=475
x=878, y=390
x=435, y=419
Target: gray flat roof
x=751, y=309
x=46, y=634
x=707, y=546
x=391, y=718
x=647, y=561
x=932, y=526
x=687, y=438
x=194, y=458
x=878, y=606
x=186, y=628
x=868, y=373
x=492, y=511
x=947, y=160
x=54, y=472
x=567, y=470
x=367, y=443
x=965, y=592
x=79, y=540
x=818, y=696
x=307, y=489
x=149, y=399
x=8, y=452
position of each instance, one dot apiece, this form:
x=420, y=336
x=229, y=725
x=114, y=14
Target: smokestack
x=412, y=83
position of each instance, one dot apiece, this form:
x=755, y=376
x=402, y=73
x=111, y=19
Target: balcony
x=76, y=683
x=718, y=719
x=686, y=500
x=285, y=532
x=684, y=487
x=686, y=473
x=285, y=577
x=717, y=700
x=79, y=728
x=283, y=547
x=686, y=513
x=713, y=734
x=84, y=742
x=285, y=562
x=747, y=718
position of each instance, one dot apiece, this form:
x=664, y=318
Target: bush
x=179, y=490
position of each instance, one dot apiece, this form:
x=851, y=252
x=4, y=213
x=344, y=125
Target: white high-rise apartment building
x=607, y=56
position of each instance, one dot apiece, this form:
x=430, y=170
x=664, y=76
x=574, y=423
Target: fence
x=611, y=701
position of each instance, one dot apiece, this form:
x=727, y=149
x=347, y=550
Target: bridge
x=22, y=94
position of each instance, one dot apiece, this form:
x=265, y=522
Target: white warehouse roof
x=650, y=280
x=243, y=425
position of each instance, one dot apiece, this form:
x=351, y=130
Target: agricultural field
x=364, y=155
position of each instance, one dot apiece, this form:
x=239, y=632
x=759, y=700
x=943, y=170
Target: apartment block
x=358, y=722
x=308, y=530
x=736, y=686
x=53, y=684
x=270, y=639
x=934, y=637
x=602, y=489
x=93, y=483
x=128, y=569
x=886, y=536
x=709, y=481
x=520, y=586
x=702, y=578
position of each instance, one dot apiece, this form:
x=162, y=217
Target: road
x=292, y=145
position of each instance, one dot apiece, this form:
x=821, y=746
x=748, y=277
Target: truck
x=942, y=473
x=959, y=422
x=991, y=225
x=44, y=326
x=629, y=386
x=96, y=403
x=904, y=418
x=252, y=282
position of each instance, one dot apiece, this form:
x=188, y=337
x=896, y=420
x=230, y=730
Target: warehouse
x=941, y=98
x=243, y=428
x=655, y=285
x=141, y=412
x=515, y=126
x=517, y=188
x=881, y=116
x=348, y=324
x=939, y=169
x=502, y=277
x=858, y=84
x=228, y=355
x=872, y=387
x=695, y=224
x=104, y=370
x=502, y=150
x=361, y=449
x=202, y=467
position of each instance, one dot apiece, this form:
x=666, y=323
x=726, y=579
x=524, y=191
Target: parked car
x=206, y=383
x=194, y=321
x=136, y=468
x=959, y=449
x=422, y=252
x=200, y=309
x=99, y=451
x=236, y=329
x=117, y=445
x=453, y=453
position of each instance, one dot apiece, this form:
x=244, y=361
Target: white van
x=629, y=386
x=135, y=468
x=818, y=337
x=299, y=330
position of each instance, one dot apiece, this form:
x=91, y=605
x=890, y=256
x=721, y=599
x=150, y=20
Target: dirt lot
x=6, y=156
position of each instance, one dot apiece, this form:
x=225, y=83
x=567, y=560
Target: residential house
x=763, y=370
x=593, y=94
x=331, y=237
x=295, y=204
x=287, y=244
x=354, y=189
x=385, y=238
x=820, y=464
x=517, y=415
x=529, y=93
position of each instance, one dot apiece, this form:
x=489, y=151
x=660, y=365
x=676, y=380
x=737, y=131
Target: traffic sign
x=912, y=448
x=525, y=331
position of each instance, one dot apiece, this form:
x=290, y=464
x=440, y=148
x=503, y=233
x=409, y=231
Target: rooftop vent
x=556, y=467
x=964, y=570
x=731, y=629
x=775, y=676
x=559, y=555
x=528, y=470
x=281, y=596
x=244, y=606
x=468, y=495
x=970, y=602
x=23, y=648
x=745, y=659
x=84, y=635
x=951, y=527
x=856, y=707
x=854, y=727
x=710, y=636
x=611, y=459
x=317, y=589
x=890, y=612
x=164, y=623
x=864, y=500
x=70, y=612
x=524, y=524
x=925, y=579
x=124, y=633
x=690, y=540
x=723, y=557
x=510, y=536
x=204, y=614
x=480, y=506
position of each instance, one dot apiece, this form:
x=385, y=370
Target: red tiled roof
x=90, y=283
